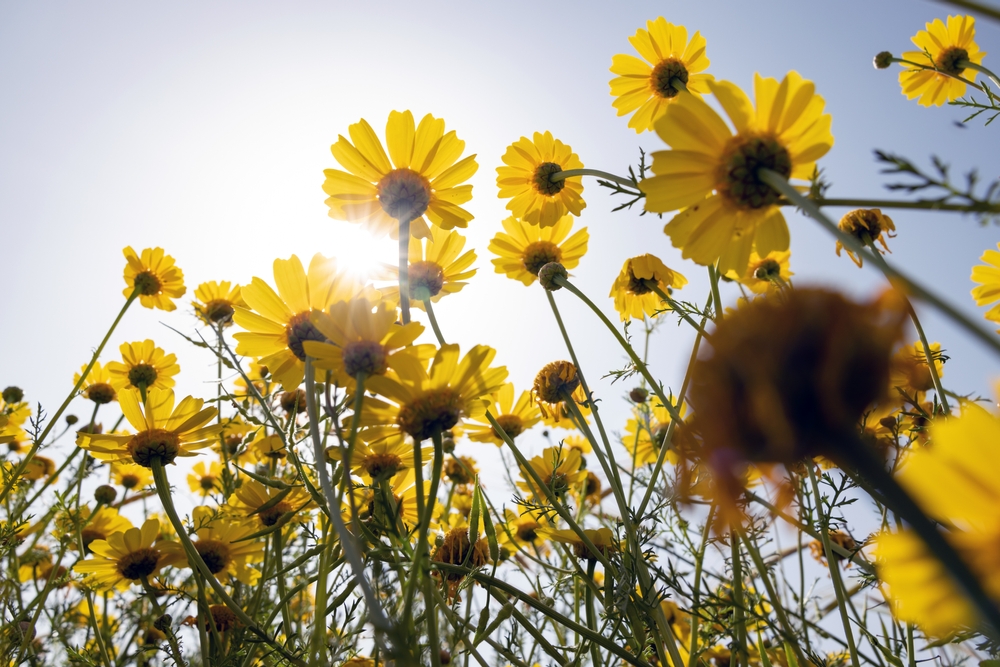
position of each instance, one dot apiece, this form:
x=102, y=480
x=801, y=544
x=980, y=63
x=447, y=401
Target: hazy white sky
x=204, y=128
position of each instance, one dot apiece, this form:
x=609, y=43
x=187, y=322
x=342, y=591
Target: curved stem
x=434, y=323
x=196, y=561
x=569, y=173
x=778, y=182
x=974, y=6
x=404, y=269
x=892, y=203
x=982, y=70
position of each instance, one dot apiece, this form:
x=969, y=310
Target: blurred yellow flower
x=143, y=366
x=711, y=172
x=766, y=274
x=560, y=469
x=424, y=178
x=216, y=301
x=644, y=433
x=987, y=276
x=98, y=386
x=670, y=64
x=633, y=288
x=525, y=248
x=945, y=52
x=205, y=478
x=130, y=476
x=156, y=277
x=251, y=496
x=910, y=371
x=525, y=180
x=602, y=538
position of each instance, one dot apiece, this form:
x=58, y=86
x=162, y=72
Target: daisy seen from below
x=526, y=180
x=215, y=302
x=427, y=402
x=12, y=418
x=163, y=431
x=220, y=541
x=910, y=372
x=645, y=431
x=130, y=476
x=124, y=557
x=98, y=386
x=633, y=289
x=867, y=226
x=945, y=52
x=205, y=478
x=559, y=468
x=389, y=453
x=425, y=177
x=522, y=249
x=155, y=277
x=514, y=418
x=363, y=339
x=766, y=274
x=711, y=172
x=143, y=366
x=255, y=500
x=277, y=323
x=437, y=267
x=987, y=277
x=670, y=64
x=949, y=481
x=404, y=494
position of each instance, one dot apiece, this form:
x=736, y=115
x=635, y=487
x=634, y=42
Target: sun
x=358, y=253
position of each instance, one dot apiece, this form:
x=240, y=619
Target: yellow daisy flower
x=220, y=543
x=910, y=371
x=952, y=484
x=404, y=494
x=514, y=418
x=234, y=432
x=104, y=523
x=865, y=225
x=602, y=538
x=216, y=301
x=266, y=448
x=278, y=323
x=12, y=417
x=143, y=366
x=125, y=556
x=633, y=288
x=159, y=281
x=204, y=477
x=437, y=267
x=987, y=276
x=130, y=476
x=424, y=178
x=525, y=180
x=670, y=64
x=259, y=376
x=39, y=467
x=163, y=431
x=766, y=274
x=363, y=338
x=944, y=50
x=525, y=248
x=428, y=402
x=644, y=434
x=385, y=456
x=251, y=496
x=711, y=172
x=561, y=469
x=522, y=530
x=98, y=386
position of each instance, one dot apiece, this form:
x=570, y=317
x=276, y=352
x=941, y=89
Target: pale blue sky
x=204, y=128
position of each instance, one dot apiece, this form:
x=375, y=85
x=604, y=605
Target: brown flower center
x=593, y=485
x=737, y=180
x=139, y=563
x=638, y=286
x=364, y=356
x=300, y=329
x=555, y=380
x=155, y=443
x=457, y=548
x=381, y=466
x=130, y=481
x=142, y=375
x=293, y=401
x=148, y=283
x=218, y=311
x=538, y=254
x=527, y=531
x=404, y=194
x=949, y=59
x=88, y=535
x=100, y=393
x=768, y=270
x=864, y=224
x=662, y=76
x=215, y=554
x=271, y=515
x=426, y=279
x=427, y=415
x=207, y=482
x=223, y=616
x=512, y=425
x=541, y=181
x=458, y=470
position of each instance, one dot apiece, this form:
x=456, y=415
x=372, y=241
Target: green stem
x=54, y=419
x=404, y=268
x=677, y=309
x=713, y=276
x=696, y=588
x=175, y=649
x=779, y=183
x=904, y=205
x=196, y=561
x=738, y=603
x=434, y=322
x=591, y=614
x=779, y=609
x=974, y=6
x=979, y=68
x=570, y=173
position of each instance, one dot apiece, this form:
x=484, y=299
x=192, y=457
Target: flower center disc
x=429, y=414
x=638, y=286
x=142, y=375
x=300, y=329
x=364, y=356
x=737, y=179
x=381, y=466
x=554, y=379
x=270, y=516
x=404, y=194
x=527, y=531
x=662, y=75
x=948, y=61
x=219, y=311
x=538, y=254
x=768, y=270
x=155, y=443
x=130, y=481
x=138, y=564
x=426, y=280
x=100, y=393
x=214, y=553
x=148, y=284
x=542, y=182
x=511, y=425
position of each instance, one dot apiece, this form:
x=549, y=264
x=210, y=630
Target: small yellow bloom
x=143, y=366
x=765, y=275
x=98, y=386
x=514, y=418
x=216, y=301
x=644, y=433
x=910, y=371
x=437, y=266
x=602, y=538
x=125, y=556
x=130, y=476
x=945, y=52
x=866, y=225
x=525, y=248
x=560, y=469
x=633, y=288
x=670, y=63
x=222, y=545
x=425, y=177
x=251, y=496
x=205, y=478
x=525, y=180
x=156, y=277
x=987, y=276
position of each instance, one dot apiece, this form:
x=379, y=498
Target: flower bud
x=547, y=275
x=105, y=494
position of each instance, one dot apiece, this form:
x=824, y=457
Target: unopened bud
x=13, y=394
x=71, y=419
x=882, y=60
x=105, y=494
x=547, y=275
x=163, y=623
x=638, y=395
